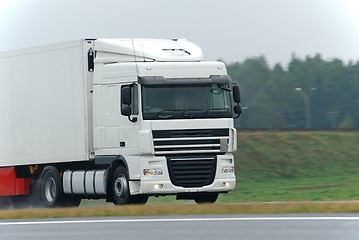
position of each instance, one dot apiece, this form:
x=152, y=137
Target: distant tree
x=271, y=100
x=251, y=76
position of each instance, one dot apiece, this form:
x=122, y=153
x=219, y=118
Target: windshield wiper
x=167, y=114
x=188, y=113
x=214, y=112
x=191, y=113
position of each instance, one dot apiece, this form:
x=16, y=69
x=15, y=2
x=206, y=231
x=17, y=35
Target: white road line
x=178, y=220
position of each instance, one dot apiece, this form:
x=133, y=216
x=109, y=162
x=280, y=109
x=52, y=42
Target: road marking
x=176, y=220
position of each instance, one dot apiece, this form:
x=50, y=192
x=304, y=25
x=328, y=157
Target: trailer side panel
x=42, y=105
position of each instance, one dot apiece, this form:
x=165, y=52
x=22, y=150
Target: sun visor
x=159, y=80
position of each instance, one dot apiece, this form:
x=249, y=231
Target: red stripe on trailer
x=10, y=185
x=7, y=181
x=23, y=186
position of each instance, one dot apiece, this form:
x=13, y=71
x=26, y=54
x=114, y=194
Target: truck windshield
x=186, y=101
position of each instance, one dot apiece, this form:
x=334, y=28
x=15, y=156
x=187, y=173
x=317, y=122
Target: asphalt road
x=219, y=227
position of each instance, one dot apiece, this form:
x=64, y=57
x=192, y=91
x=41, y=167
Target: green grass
x=335, y=188
x=263, y=156
x=296, y=166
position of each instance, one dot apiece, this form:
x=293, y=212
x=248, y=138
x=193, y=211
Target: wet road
x=283, y=226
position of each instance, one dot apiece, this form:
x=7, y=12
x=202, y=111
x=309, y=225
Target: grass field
x=296, y=166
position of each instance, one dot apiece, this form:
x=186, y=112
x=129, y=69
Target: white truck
x=121, y=119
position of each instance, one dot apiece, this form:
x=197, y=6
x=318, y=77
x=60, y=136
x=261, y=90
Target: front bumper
x=154, y=187
x=162, y=184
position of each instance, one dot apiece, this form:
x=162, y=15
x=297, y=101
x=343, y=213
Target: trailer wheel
x=120, y=188
x=206, y=198
x=50, y=188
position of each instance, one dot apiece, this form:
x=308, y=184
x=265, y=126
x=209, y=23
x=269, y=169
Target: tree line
x=310, y=92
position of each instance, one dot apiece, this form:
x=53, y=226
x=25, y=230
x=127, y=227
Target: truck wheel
x=35, y=193
x=5, y=203
x=120, y=189
x=206, y=198
x=50, y=188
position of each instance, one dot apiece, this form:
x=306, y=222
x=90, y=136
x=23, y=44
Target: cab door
x=129, y=129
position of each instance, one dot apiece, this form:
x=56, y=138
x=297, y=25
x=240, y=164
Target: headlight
x=152, y=172
x=228, y=170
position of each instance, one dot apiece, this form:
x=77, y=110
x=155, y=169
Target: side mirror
x=126, y=110
x=126, y=96
x=238, y=109
x=126, y=101
x=236, y=94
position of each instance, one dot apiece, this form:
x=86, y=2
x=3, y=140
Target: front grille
x=190, y=141
x=190, y=171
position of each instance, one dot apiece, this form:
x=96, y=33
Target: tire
x=5, y=203
x=35, y=193
x=120, y=187
x=206, y=198
x=50, y=188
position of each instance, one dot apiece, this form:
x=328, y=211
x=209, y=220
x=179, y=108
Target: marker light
x=228, y=170
x=152, y=172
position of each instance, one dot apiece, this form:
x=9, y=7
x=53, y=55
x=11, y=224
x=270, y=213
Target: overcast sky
x=232, y=30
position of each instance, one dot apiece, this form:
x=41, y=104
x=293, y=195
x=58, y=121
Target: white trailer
x=121, y=119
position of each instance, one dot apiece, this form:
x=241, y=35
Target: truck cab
x=168, y=114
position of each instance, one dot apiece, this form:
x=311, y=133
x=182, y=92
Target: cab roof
x=162, y=50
